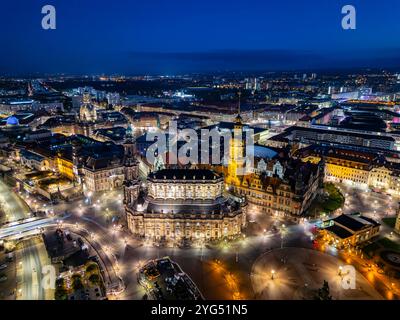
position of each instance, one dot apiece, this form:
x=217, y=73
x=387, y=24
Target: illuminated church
x=274, y=181
x=87, y=112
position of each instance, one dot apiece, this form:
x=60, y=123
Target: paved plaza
x=295, y=274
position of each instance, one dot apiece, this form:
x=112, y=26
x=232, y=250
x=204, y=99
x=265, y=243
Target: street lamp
x=340, y=270
x=283, y=231
x=272, y=274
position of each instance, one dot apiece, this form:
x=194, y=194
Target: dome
x=12, y=121
x=262, y=152
x=88, y=112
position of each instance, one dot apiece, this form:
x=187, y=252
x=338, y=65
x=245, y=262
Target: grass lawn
x=389, y=244
x=391, y=221
x=371, y=248
x=335, y=198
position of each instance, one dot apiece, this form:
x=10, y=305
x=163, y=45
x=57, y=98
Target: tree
x=94, y=278
x=324, y=292
x=60, y=282
x=91, y=267
x=60, y=293
x=77, y=282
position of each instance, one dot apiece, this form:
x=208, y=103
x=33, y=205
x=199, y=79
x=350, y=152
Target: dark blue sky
x=175, y=36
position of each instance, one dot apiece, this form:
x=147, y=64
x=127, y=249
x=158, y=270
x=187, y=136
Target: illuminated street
x=31, y=257
x=13, y=206
x=229, y=265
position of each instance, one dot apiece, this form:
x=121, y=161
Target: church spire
x=129, y=132
x=129, y=147
x=238, y=119
x=239, y=94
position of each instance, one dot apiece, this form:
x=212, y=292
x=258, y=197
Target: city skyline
x=183, y=37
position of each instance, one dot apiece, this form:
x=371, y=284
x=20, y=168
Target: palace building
x=184, y=204
x=277, y=183
x=364, y=169
x=97, y=166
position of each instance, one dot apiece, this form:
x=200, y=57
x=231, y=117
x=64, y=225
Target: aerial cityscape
x=190, y=166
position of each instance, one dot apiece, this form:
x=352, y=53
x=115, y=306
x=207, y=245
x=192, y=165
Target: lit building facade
x=347, y=231
x=65, y=166
x=98, y=176
x=286, y=186
x=355, y=167
x=87, y=112
x=185, y=204
x=397, y=224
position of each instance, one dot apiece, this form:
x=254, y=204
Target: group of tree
x=60, y=292
x=324, y=292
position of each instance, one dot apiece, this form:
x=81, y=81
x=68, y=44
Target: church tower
x=236, y=151
x=131, y=164
x=75, y=160
x=131, y=169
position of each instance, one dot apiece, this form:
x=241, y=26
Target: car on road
x=3, y=266
x=10, y=257
x=68, y=235
x=3, y=278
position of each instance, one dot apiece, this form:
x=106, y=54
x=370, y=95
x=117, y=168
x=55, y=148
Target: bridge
x=27, y=227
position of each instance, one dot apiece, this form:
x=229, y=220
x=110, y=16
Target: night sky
x=174, y=36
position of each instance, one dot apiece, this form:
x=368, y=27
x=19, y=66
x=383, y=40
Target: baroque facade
x=184, y=204
x=277, y=185
x=356, y=167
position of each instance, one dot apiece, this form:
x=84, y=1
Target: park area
x=331, y=200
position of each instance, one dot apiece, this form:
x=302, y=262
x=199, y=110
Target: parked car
x=3, y=266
